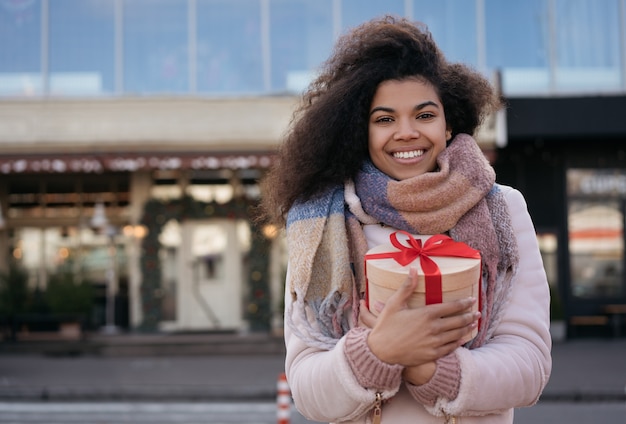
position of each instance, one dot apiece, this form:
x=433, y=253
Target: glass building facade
x=269, y=47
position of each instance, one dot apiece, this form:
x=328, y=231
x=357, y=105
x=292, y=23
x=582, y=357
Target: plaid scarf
x=327, y=245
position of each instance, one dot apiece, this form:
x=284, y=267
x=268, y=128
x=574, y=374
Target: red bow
x=437, y=245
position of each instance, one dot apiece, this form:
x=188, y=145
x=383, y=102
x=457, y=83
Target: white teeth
x=408, y=155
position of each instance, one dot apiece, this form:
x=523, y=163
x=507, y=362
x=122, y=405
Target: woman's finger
x=452, y=308
x=366, y=318
x=454, y=338
x=399, y=299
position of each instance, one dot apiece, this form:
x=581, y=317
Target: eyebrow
x=417, y=107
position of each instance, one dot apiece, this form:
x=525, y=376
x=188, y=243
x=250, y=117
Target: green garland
x=158, y=213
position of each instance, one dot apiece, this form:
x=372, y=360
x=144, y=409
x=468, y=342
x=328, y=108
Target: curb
x=582, y=397
x=157, y=345
x=211, y=393
x=137, y=393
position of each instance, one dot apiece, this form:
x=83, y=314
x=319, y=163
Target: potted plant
x=70, y=300
x=14, y=297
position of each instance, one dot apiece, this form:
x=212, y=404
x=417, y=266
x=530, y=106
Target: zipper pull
x=450, y=419
x=377, y=415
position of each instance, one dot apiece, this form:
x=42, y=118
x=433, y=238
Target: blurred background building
x=133, y=134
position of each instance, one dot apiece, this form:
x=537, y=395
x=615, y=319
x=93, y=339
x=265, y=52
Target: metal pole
x=111, y=281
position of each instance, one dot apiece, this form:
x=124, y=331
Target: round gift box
x=460, y=278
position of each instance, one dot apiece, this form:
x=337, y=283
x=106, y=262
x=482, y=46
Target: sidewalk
x=149, y=367
x=142, y=344
x=219, y=367
x=588, y=370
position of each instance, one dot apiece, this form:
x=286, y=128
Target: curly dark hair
x=327, y=141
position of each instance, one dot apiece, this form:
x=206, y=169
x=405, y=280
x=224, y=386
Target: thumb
x=401, y=297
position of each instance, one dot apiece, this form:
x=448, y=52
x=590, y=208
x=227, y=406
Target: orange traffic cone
x=283, y=400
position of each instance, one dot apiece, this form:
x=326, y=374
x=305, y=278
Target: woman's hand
x=419, y=374
x=413, y=337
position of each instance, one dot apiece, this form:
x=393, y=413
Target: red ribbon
x=437, y=245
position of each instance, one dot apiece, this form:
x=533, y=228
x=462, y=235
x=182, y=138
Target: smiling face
x=407, y=128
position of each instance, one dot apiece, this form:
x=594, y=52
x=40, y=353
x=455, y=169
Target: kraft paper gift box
x=447, y=270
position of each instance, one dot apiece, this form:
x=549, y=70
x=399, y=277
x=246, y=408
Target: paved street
x=572, y=413
x=180, y=378
x=587, y=386
x=141, y=412
x=255, y=413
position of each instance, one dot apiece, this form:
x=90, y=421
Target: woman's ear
x=448, y=137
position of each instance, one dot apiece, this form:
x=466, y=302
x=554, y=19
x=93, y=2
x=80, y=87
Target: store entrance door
x=210, y=285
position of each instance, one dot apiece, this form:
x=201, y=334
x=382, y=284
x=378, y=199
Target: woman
x=382, y=142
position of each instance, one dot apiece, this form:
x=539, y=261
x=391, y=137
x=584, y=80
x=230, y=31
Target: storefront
x=149, y=227
x=568, y=157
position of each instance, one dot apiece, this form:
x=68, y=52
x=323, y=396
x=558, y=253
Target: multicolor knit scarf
x=327, y=245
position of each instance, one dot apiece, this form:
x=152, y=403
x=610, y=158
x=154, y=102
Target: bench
x=588, y=321
x=616, y=312
x=28, y=325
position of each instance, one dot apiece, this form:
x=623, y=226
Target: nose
x=406, y=129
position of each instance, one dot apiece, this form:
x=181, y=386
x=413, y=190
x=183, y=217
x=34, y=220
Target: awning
x=131, y=162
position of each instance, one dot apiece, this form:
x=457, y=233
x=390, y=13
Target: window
x=596, y=248
x=156, y=46
x=82, y=47
x=453, y=25
x=355, y=12
x=20, y=48
x=554, y=45
x=229, y=46
x=517, y=37
x=301, y=37
x=596, y=232
x=587, y=45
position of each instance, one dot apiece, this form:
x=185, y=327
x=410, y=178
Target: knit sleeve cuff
x=370, y=372
x=444, y=383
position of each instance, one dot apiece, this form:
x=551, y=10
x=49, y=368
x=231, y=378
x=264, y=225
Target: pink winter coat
x=509, y=371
